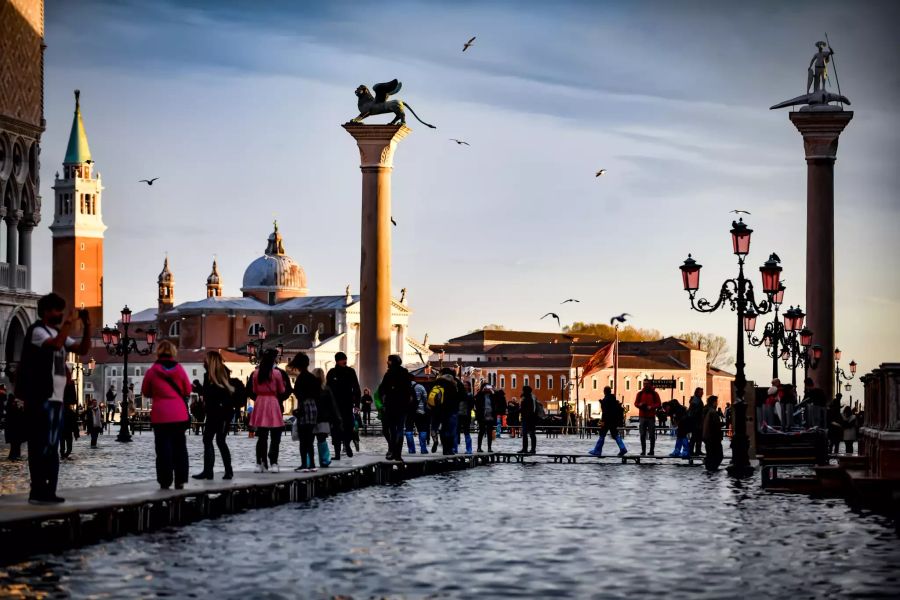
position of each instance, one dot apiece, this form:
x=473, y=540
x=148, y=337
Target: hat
x=773, y=390
x=340, y=356
x=488, y=388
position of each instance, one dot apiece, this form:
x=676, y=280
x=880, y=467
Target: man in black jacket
x=344, y=385
x=612, y=419
x=394, y=392
x=529, y=420
x=41, y=382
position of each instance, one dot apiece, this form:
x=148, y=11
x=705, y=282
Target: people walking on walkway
x=849, y=425
x=485, y=415
x=328, y=418
x=612, y=418
x=418, y=419
x=41, y=382
x=307, y=390
x=219, y=400
x=110, y=403
x=70, y=418
x=816, y=404
x=712, y=435
x=15, y=430
x=266, y=385
x=366, y=402
x=530, y=414
x=168, y=385
x=695, y=418
x=465, y=406
x=678, y=414
x=647, y=402
x=394, y=392
x=344, y=385
x=93, y=422
x=835, y=426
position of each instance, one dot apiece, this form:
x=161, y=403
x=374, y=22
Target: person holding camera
x=41, y=383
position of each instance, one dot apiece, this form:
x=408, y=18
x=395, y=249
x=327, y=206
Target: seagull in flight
x=555, y=316
x=740, y=212
x=468, y=44
x=460, y=142
x=620, y=318
x=600, y=173
x=570, y=300
x=393, y=222
x=148, y=181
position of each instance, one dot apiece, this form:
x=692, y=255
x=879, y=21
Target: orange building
x=78, y=226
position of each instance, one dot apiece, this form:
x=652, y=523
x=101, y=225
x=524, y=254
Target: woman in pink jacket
x=266, y=384
x=167, y=384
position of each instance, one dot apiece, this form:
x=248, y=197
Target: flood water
x=505, y=530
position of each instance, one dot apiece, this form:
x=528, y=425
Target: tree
x=608, y=332
x=490, y=327
x=716, y=347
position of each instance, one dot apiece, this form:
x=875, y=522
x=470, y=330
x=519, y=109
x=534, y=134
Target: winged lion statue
x=379, y=104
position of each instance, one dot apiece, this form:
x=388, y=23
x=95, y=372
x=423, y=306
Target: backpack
x=239, y=397
x=436, y=396
x=539, y=411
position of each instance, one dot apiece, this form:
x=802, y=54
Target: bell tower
x=78, y=226
x=166, y=281
x=214, y=282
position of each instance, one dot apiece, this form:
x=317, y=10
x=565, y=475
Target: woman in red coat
x=168, y=385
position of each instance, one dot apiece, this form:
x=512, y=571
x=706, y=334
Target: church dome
x=274, y=273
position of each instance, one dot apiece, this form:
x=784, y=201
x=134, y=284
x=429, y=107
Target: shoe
x=593, y=453
x=275, y=468
x=325, y=465
x=348, y=451
x=179, y=486
x=202, y=476
x=533, y=451
x=623, y=452
x=300, y=469
x=164, y=487
x=355, y=443
x=336, y=457
x=524, y=451
x=260, y=469
x=480, y=451
x=228, y=475
x=643, y=453
x=388, y=456
x=313, y=470
x=651, y=453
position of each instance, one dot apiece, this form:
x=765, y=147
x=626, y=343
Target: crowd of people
x=439, y=411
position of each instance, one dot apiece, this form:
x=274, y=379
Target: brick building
x=551, y=363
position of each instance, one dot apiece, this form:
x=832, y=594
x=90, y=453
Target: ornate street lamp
x=774, y=333
x=120, y=343
x=738, y=295
x=839, y=373
x=256, y=346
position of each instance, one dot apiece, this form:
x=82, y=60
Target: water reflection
x=567, y=531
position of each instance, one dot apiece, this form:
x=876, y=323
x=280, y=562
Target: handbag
x=295, y=431
x=187, y=404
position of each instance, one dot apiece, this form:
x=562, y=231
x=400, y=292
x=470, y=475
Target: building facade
x=552, y=365
x=21, y=126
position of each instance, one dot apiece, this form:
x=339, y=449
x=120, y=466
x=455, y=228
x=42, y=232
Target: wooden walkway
x=565, y=458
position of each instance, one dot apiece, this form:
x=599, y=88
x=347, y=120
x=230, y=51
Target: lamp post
x=255, y=346
x=738, y=295
x=773, y=333
x=798, y=347
x=839, y=373
x=120, y=343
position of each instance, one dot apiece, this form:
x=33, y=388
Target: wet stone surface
x=507, y=530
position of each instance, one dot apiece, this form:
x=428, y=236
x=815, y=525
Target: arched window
x=502, y=382
x=254, y=329
x=594, y=384
x=681, y=385
x=137, y=371
x=525, y=381
x=300, y=328
x=627, y=383
x=514, y=382
x=175, y=329
x=549, y=382
x=537, y=382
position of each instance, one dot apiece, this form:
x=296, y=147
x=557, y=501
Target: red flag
x=601, y=359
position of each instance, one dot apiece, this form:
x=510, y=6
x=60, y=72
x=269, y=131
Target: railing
x=13, y=277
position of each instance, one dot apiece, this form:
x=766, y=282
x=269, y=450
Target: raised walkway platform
x=92, y=514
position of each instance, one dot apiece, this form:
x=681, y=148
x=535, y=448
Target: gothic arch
x=10, y=197
x=14, y=336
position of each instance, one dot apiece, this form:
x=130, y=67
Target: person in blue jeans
x=466, y=405
x=41, y=382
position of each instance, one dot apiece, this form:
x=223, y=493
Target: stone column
x=376, y=151
x=25, y=229
x=820, y=130
x=12, y=245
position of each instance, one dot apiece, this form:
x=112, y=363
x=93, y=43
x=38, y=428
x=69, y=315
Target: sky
x=237, y=106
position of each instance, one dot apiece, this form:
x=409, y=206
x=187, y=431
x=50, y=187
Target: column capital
x=820, y=131
x=12, y=217
x=376, y=142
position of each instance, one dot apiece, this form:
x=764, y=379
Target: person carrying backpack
x=612, y=418
x=531, y=413
x=485, y=414
x=418, y=418
x=394, y=393
x=443, y=402
x=465, y=406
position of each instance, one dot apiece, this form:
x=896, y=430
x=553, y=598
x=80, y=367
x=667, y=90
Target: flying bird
x=148, y=181
x=471, y=42
x=460, y=142
x=555, y=316
x=570, y=300
x=393, y=222
x=600, y=172
x=620, y=318
x=741, y=212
